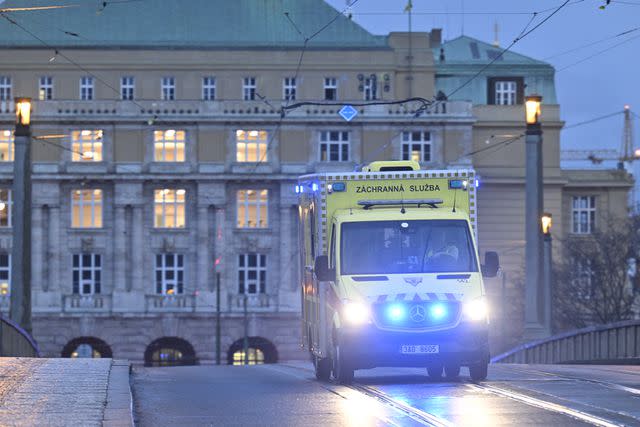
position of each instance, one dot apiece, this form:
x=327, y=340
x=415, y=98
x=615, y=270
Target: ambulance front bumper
x=369, y=347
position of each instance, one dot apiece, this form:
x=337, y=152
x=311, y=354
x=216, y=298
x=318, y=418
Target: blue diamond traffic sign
x=348, y=112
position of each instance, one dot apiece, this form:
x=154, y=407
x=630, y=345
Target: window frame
x=208, y=88
x=7, y=137
x=95, y=142
x=591, y=211
x=289, y=88
x=261, y=205
x=249, y=88
x=330, y=84
x=168, y=88
x=161, y=280
x=243, y=143
x=325, y=143
x=179, y=139
x=370, y=88
x=260, y=269
x=127, y=88
x=179, y=208
x=87, y=88
x=5, y=269
x=94, y=269
x=96, y=207
x=408, y=143
x=6, y=88
x=45, y=88
x=491, y=88
x=8, y=205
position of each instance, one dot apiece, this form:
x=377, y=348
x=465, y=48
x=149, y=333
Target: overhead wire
x=596, y=119
x=600, y=52
x=584, y=46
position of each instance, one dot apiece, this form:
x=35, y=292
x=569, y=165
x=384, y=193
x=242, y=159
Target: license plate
x=420, y=349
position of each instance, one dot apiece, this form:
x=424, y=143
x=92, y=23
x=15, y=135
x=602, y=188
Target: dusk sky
x=593, y=88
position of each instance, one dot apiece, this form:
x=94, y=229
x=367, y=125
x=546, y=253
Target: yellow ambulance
x=390, y=271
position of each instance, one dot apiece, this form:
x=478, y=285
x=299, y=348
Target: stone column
x=138, y=249
x=285, y=248
x=203, y=259
x=37, y=239
x=53, y=251
x=119, y=250
x=218, y=251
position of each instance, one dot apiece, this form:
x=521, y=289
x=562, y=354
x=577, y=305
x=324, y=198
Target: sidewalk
x=64, y=392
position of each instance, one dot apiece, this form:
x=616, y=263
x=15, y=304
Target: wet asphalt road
x=288, y=395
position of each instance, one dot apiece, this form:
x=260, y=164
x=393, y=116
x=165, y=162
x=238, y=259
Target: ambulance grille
x=416, y=315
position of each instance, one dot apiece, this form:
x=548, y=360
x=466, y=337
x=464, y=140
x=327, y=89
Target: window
x=249, y=89
x=253, y=208
x=209, y=88
x=45, y=88
x=127, y=88
x=289, y=88
x=252, y=273
x=169, y=208
x=5, y=274
x=416, y=146
x=5, y=88
x=168, y=145
x=506, y=90
x=86, y=88
x=169, y=274
x=254, y=356
x=86, y=145
x=330, y=88
x=5, y=207
x=583, y=214
x=370, y=88
x=6, y=146
x=251, y=145
x=168, y=88
x=87, y=272
x=86, y=208
x=334, y=146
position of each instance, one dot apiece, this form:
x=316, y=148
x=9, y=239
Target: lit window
x=371, y=88
x=45, y=88
x=6, y=146
x=505, y=92
x=86, y=145
x=86, y=208
x=168, y=145
x=5, y=274
x=252, y=273
x=127, y=88
x=289, y=88
x=251, y=145
x=169, y=208
x=87, y=274
x=583, y=214
x=249, y=88
x=5, y=88
x=168, y=88
x=209, y=88
x=85, y=351
x=169, y=274
x=253, y=208
x=334, y=146
x=416, y=146
x=255, y=356
x=5, y=207
x=330, y=88
x=86, y=88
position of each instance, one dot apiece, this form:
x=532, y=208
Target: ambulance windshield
x=398, y=247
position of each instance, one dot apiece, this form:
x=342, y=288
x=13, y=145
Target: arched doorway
x=260, y=351
x=170, y=351
x=87, y=347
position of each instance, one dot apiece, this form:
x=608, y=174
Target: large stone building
x=174, y=167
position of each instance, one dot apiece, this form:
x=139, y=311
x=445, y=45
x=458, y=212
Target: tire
x=478, y=372
x=435, y=371
x=322, y=367
x=342, y=371
x=451, y=371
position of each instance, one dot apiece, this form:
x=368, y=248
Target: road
x=288, y=395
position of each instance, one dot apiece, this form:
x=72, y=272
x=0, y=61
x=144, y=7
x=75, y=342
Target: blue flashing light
x=396, y=312
x=456, y=184
x=314, y=187
x=339, y=186
x=438, y=311
x=477, y=182
x=297, y=189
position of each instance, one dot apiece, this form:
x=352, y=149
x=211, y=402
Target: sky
x=596, y=87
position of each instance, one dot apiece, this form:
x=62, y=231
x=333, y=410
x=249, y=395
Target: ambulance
x=390, y=271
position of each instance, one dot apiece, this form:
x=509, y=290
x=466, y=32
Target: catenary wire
x=600, y=52
x=584, y=46
x=596, y=119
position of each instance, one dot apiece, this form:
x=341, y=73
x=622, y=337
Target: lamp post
x=534, y=314
x=21, y=218
x=547, y=222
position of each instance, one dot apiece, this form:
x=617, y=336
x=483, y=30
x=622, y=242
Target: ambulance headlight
x=476, y=310
x=356, y=313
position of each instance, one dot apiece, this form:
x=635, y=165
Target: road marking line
x=554, y=407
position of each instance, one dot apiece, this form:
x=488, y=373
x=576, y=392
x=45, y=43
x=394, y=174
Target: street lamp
x=535, y=325
x=20, y=308
x=547, y=222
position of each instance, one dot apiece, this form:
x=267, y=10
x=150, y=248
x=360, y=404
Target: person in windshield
x=444, y=252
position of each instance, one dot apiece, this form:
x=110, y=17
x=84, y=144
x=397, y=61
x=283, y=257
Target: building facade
x=163, y=168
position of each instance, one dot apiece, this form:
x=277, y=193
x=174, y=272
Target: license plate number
x=420, y=349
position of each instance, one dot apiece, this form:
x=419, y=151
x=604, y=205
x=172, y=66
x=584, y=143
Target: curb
x=118, y=411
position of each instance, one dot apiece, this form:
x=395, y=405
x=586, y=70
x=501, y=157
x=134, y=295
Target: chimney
x=436, y=37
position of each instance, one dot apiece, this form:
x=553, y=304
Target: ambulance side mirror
x=322, y=270
x=491, y=264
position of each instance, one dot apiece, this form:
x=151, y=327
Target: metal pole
x=21, y=224
x=217, y=318
x=548, y=280
x=503, y=326
x=245, y=343
x=533, y=233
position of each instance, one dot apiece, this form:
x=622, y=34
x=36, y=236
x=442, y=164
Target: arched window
x=87, y=347
x=170, y=351
x=260, y=350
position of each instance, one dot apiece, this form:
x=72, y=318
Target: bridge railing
x=15, y=341
x=612, y=343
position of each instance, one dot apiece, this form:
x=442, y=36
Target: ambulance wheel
x=342, y=371
x=434, y=371
x=322, y=367
x=478, y=372
x=451, y=371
